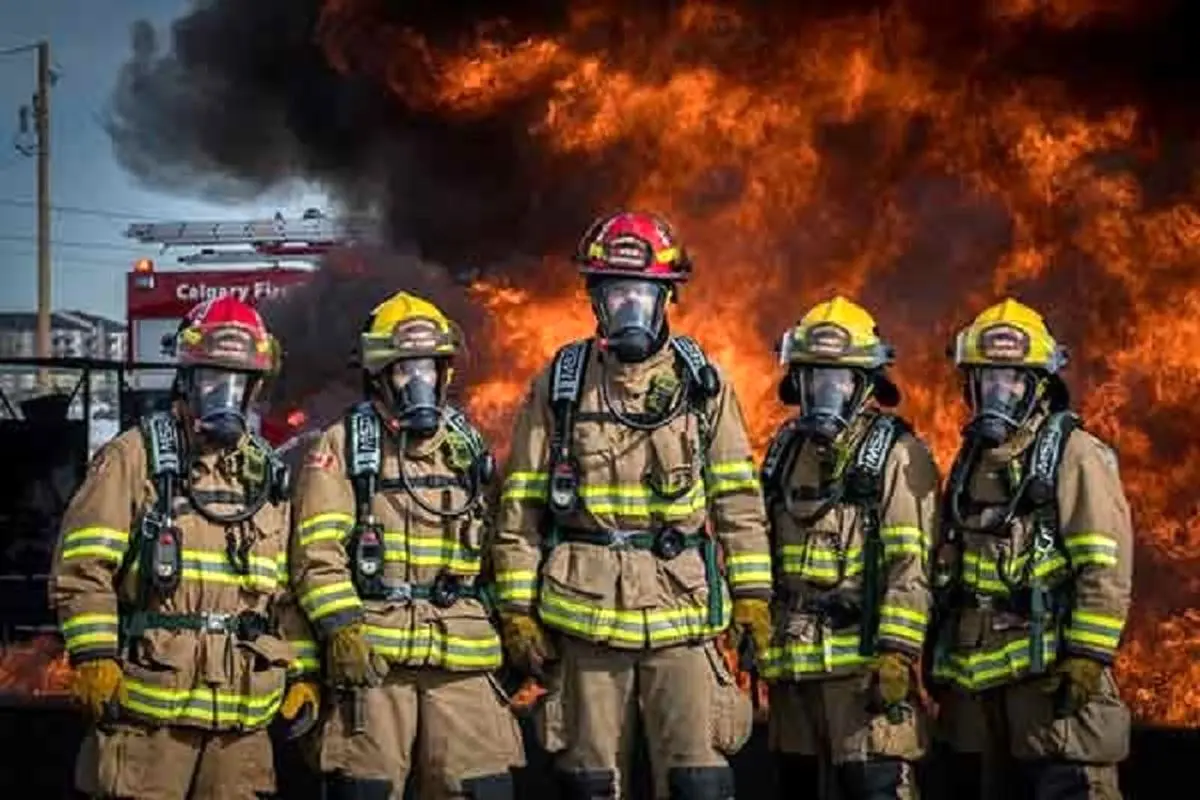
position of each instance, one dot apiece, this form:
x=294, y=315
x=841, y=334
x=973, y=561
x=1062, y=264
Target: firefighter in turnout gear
x=386, y=561
x=1033, y=574
x=630, y=477
x=852, y=498
x=170, y=583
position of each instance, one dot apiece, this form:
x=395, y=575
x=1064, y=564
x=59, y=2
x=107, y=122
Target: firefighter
x=630, y=474
x=1033, y=574
x=386, y=562
x=170, y=583
x=852, y=498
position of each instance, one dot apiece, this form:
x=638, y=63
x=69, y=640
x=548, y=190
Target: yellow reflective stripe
x=106, y=544
x=1089, y=548
x=332, y=526
x=202, y=705
x=281, y=567
x=983, y=573
x=308, y=657
x=796, y=659
x=515, y=586
x=429, y=647
x=331, y=598
x=748, y=568
x=97, y=631
x=905, y=624
x=641, y=501
x=816, y=563
x=1099, y=632
x=657, y=627
x=429, y=551
x=209, y=566
x=901, y=540
x=727, y=477
x=525, y=486
x=986, y=668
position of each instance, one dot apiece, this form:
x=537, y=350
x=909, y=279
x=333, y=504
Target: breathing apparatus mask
x=631, y=314
x=1002, y=399
x=219, y=401
x=829, y=397
x=414, y=395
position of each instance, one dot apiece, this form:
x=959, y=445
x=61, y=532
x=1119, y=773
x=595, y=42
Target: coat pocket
x=730, y=709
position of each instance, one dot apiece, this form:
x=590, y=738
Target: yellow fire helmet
x=838, y=333
x=1009, y=334
x=403, y=327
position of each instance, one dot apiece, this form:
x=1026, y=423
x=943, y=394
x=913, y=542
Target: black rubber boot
x=336, y=786
x=588, y=785
x=489, y=787
x=701, y=783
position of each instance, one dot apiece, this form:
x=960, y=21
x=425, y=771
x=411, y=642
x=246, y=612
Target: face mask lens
x=829, y=391
x=629, y=305
x=416, y=375
x=218, y=392
x=415, y=395
x=1002, y=392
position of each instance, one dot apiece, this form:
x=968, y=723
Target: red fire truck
x=256, y=260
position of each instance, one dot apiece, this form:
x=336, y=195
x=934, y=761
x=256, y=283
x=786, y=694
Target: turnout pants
x=133, y=762
x=830, y=742
x=453, y=729
x=1010, y=742
x=691, y=709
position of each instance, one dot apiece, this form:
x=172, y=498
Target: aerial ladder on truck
x=273, y=241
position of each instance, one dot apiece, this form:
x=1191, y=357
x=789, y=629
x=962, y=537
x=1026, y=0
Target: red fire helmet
x=227, y=333
x=633, y=244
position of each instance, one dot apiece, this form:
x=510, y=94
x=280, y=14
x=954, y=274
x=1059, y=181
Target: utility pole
x=41, y=111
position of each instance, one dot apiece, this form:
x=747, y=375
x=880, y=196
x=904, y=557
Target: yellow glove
x=300, y=707
x=893, y=674
x=349, y=658
x=753, y=616
x=96, y=684
x=526, y=643
x=1079, y=680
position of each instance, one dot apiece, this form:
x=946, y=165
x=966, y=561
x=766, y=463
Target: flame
x=36, y=668
x=842, y=156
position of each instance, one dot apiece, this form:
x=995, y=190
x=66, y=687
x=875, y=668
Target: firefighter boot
x=489, y=787
x=338, y=786
x=876, y=779
x=797, y=775
x=587, y=785
x=700, y=783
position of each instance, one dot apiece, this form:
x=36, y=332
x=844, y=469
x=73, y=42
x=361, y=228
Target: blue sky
x=94, y=198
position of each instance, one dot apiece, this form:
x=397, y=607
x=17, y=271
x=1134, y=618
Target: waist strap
x=443, y=592
x=665, y=543
x=246, y=625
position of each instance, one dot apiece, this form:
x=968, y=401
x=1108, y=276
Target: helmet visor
x=1004, y=393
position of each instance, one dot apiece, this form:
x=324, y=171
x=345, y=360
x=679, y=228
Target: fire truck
x=254, y=260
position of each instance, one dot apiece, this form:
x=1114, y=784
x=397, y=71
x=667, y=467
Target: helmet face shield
x=1001, y=400
x=415, y=387
x=829, y=398
x=219, y=399
x=630, y=313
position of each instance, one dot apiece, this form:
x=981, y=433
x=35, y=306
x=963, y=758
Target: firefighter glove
x=525, y=642
x=752, y=616
x=300, y=707
x=893, y=676
x=349, y=657
x=97, y=684
x=1077, y=680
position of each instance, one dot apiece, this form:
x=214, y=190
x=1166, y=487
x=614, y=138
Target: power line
x=86, y=245
x=80, y=210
